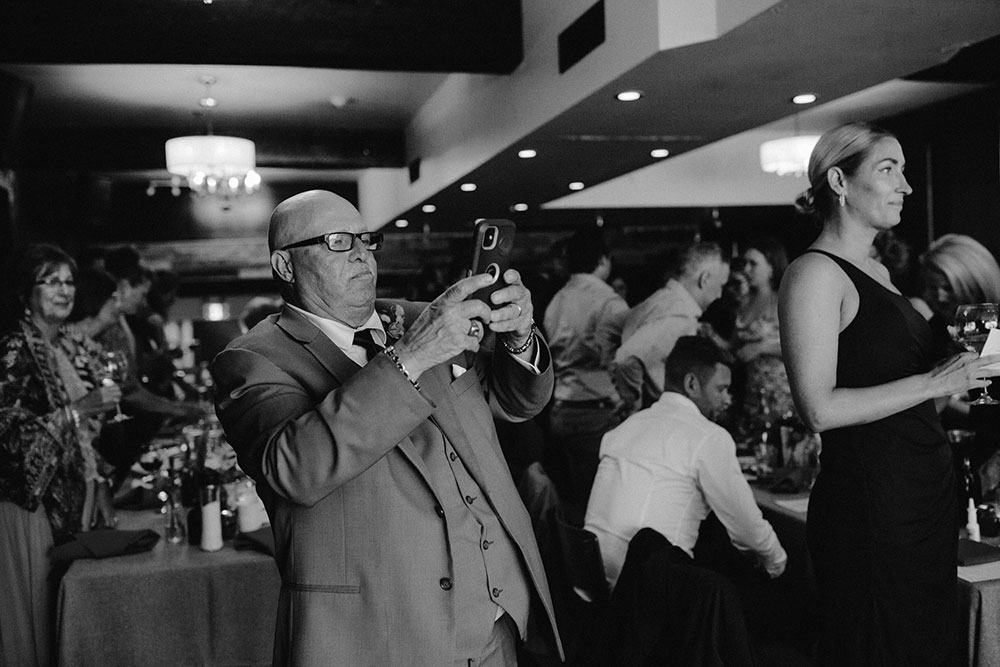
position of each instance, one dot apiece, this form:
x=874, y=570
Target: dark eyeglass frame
x=372, y=241
x=55, y=283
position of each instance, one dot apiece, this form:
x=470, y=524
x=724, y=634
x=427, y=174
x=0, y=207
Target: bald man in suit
x=399, y=535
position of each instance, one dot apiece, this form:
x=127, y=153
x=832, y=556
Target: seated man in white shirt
x=668, y=466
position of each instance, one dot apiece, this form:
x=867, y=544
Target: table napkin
x=105, y=543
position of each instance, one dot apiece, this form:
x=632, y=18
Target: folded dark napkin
x=258, y=540
x=105, y=543
x=975, y=553
x=789, y=480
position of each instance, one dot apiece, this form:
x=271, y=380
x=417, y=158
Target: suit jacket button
x=445, y=584
x=439, y=510
x=497, y=592
x=452, y=456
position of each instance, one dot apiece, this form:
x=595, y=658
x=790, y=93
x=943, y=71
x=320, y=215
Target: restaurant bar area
x=585, y=333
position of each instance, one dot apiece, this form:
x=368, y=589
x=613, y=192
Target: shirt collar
x=341, y=334
x=677, y=286
x=673, y=399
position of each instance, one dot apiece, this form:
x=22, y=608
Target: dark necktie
x=365, y=339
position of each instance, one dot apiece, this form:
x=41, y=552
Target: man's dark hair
x=585, y=249
x=93, y=289
x=124, y=264
x=694, y=354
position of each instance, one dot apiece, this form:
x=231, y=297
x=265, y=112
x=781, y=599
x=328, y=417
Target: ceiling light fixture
x=527, y=153
x=213, y=164
x=629, y=95
x=520, y=208
x=468, y=187
x=804, y=98
x=788, y=155
x=659, y=153
x=402, y=224
x=428, y=208
x=576, y=185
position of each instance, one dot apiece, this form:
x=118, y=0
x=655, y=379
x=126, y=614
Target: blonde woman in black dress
x=881, y=525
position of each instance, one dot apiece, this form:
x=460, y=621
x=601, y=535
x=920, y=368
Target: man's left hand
x=515, y=317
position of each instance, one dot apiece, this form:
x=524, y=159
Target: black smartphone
x=493, y=244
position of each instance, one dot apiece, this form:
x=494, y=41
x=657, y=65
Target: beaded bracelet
x=391, y=353
x=527, y=344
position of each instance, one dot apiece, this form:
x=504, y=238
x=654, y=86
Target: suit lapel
x=437, y=384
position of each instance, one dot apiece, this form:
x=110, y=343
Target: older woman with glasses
x=51, y=480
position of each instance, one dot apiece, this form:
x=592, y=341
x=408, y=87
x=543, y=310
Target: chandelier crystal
x=214, y=164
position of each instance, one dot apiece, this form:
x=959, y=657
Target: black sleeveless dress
x=881, y=527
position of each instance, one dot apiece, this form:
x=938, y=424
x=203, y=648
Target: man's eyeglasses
x=53, y=283
x=341, y=241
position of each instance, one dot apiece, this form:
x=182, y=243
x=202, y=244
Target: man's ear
x=703, y=277
x=281, y=264
x=692, y=385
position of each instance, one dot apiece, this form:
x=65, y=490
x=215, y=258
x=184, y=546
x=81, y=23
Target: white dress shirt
x=665, y=468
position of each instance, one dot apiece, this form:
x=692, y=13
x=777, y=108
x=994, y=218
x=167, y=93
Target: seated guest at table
x=668, y=466
x=123, y=444
x=881, y=527
x=695, y=273
x=399, y=534
x=51, y=479
x=756, y=342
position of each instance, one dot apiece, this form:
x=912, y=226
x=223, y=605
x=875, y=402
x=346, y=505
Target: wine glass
x=973, y=323
x=115, y=369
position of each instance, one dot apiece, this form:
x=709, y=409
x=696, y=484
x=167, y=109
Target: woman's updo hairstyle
x=845, y=147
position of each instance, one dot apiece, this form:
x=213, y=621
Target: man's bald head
x=336, y=285
x=308, y=214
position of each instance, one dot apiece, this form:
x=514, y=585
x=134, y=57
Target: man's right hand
x=445, y=328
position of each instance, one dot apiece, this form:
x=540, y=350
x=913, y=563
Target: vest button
x=469, y=499
x=452, y=456
x=497, y=592
x=445, y=584
x=486, y=544
x=439, y=510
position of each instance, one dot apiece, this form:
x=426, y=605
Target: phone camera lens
x=490, y=236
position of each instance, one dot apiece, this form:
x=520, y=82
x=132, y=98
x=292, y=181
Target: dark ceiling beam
x=117, y=149
x=393, y=35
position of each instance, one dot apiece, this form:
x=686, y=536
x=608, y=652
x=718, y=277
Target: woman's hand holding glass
x=973, y=324
x=99, y=400
x=115, y=368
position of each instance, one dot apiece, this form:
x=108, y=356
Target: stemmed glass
x=973, y=323
x=115, y=368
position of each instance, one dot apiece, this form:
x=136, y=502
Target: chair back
x=581, y=557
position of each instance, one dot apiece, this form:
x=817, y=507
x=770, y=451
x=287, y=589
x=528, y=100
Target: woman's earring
x=843, y=200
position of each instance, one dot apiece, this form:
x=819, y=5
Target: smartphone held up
x=493, y=245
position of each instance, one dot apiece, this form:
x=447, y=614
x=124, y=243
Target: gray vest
x=487, y=570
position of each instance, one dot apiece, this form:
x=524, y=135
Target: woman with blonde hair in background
x=881, y=526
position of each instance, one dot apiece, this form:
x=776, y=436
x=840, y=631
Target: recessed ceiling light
x=576, y=185
x=468, y=187
x=402, y=224
x=520, y=208
x=428, y=208
x=527, y=152
x=659, y=152
x=804, y=98
x=208, y=102
x=629, y=95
